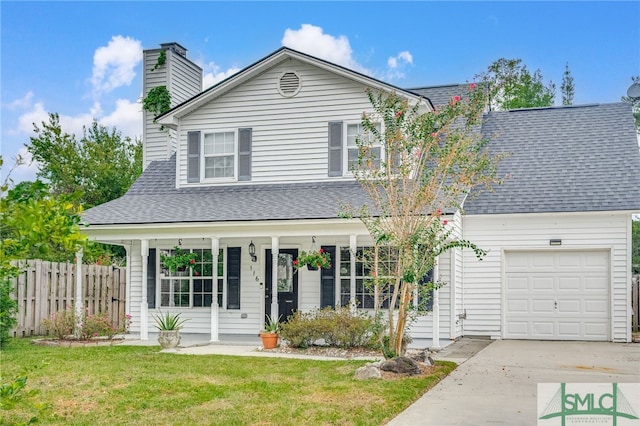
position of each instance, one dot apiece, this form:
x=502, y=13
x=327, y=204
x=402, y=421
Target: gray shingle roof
x=154, y=199
x=563, y=159
x=441, y=95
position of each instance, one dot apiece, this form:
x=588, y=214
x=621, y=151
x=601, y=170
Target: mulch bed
x=76, y=342
x=355, y=353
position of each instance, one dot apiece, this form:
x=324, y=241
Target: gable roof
x=153, y=198
x=441, y=95
x=563, y=159
x=170, y=117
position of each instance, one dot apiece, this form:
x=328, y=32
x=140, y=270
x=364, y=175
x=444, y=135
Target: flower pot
x=269, y=340
x=169, y=339
x=312, y=267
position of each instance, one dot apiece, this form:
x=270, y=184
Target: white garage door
x=557, y=295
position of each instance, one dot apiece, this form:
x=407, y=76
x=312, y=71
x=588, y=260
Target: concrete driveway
x=498, y=386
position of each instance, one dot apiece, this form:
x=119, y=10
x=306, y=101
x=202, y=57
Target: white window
x=355, y=131
x=219, y=155
x=193, y=287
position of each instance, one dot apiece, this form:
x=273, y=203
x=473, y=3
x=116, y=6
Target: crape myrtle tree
x=428, y=163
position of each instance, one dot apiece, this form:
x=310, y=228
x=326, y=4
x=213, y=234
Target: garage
x=557, y=295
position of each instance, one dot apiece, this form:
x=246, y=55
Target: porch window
x=219, y=155
x=193, y=288
x=364, y=296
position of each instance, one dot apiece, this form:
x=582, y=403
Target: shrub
x=61, y=323
x=8, y=310
x=98, y=325
x=300, y=331
x=338, y=327
x=14, y=396
x=347, y=329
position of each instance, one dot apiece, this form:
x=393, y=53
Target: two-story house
x=256, y=168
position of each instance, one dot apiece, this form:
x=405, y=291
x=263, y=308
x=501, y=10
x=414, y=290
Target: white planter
x=169, y=339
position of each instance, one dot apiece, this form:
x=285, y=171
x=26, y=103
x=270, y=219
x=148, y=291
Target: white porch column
x=353, y=246
x=79, y=306
x=215, y=309
x=127, y=303
x=275, y=250
x=435, y=344
x=452, y=302
x=144, y=307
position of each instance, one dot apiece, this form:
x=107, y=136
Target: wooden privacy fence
x=44, y=288
x=635, y=302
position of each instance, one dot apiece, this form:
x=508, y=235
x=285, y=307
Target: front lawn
x=110, y=385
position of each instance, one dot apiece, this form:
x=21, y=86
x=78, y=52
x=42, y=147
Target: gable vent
x=289, y=84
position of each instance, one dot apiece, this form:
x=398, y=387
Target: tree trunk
x=405, y=300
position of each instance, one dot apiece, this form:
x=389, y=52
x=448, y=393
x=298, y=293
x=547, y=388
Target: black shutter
x=193, y=156
x=335, y=148
x=328, y=280
x=233, y=277
x=151, y=279
x=429, y=305
x=244, y=154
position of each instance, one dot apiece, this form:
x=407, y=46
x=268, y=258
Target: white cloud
x=35, y=114
x=214, y=75
x=21, y=103
x=114, y=64
x=127, y=118
x=397, y=64
x=403, y=57
x=312, y=40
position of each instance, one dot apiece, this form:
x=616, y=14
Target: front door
x=287, y=284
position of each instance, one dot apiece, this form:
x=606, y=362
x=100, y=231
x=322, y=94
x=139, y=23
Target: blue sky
x=83, y=59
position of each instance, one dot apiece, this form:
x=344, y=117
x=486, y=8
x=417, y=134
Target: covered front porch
x=231, y=290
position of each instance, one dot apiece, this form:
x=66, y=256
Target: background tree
x=32, y=221
x=100, y=167
x=567, y=86
x=635, y=104
x=515, y=87
x=431, y=161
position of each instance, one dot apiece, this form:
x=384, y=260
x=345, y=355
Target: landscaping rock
x=368, y=372
x=401, y=365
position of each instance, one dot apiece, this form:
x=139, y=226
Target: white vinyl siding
x=289, y=135
x=483, y=280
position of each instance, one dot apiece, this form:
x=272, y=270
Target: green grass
x=121, y=385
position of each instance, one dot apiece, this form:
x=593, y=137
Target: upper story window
x=224, y=155
x=219, y=155
x=355, y=131
x=343, y=148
